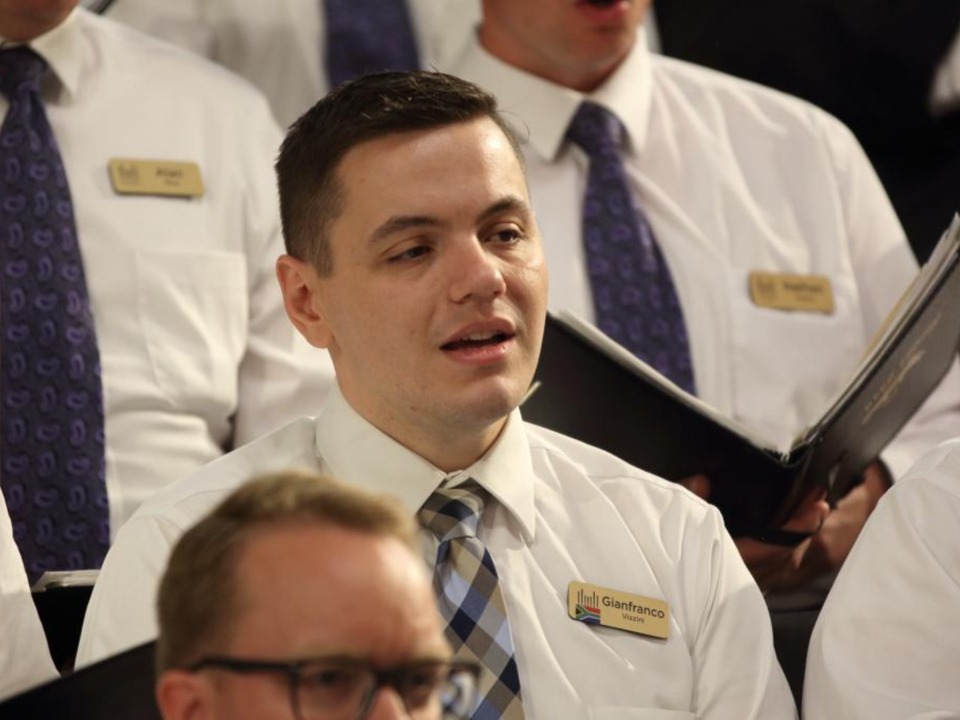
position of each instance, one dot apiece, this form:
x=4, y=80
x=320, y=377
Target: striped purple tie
x=52, y=442
x=634, y=298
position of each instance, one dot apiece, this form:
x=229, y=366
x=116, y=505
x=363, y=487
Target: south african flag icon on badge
x=585, y=609
x=588, y=615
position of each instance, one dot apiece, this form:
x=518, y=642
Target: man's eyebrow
x=511, y=202
x=402, y=223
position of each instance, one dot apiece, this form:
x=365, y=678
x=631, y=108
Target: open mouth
x=477, y=340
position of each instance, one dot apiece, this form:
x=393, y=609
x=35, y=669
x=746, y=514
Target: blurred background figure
x=659, y=187
x=889, y=69
x=887, y=643
x=296, y=50
x=301, y=597
x=142, y=330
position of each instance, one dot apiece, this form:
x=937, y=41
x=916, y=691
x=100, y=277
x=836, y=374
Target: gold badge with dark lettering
x=782, y=291
x=155, y=177
x=595, y=605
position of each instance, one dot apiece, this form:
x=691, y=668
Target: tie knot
x=595, y=129
x=451, y=513
x=20, y=71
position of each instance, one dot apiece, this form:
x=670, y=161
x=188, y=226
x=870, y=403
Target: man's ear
x=183, y=695
x=299, y=283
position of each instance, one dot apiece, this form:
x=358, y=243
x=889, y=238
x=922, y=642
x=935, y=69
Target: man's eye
x=331, y=687
x=409, y=254
x=421, y=686
x=507, y=236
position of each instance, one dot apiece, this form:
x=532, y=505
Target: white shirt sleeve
x=24, y=656
x=736, y=669
x=122, y=609
x=887, y=643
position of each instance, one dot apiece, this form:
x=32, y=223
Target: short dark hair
x=373, y=106
x=197, y=601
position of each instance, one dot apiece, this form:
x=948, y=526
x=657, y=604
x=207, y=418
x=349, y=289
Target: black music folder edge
x=590, y=388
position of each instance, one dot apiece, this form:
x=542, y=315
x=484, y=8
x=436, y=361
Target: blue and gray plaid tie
x=52, y=444
x=469, y=598
x=365, y=36
x=634, y=296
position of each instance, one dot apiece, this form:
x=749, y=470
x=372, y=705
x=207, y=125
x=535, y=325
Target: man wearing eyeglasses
x=301, y=597
x=414, y=256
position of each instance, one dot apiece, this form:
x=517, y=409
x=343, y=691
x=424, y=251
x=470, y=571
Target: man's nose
x=388, y=705
x=476, y=273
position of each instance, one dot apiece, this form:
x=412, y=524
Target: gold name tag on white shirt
x=595, y=605
x=155, y=177
x=782, y=291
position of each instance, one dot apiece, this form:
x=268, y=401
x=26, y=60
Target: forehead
x=467, y=160
x=305, y=589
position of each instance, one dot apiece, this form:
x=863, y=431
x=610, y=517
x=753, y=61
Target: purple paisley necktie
x=52, y=445
x=634, y=298
x=365, y=36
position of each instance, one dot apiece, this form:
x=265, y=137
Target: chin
x=489, y=406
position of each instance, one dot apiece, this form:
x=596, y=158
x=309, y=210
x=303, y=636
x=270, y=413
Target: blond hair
x=196, y=602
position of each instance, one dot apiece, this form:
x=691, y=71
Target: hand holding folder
x=588, y=387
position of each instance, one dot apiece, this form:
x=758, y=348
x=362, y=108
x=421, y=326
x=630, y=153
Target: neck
x=23, y=27
x=449, y=451
x=584, y=79
x=449, y=445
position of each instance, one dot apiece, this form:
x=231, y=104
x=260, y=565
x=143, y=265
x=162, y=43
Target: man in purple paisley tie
x=140, y=333
x=660, y=187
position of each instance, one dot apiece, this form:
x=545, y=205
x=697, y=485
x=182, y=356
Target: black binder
x=590, y=388
x=118, y=687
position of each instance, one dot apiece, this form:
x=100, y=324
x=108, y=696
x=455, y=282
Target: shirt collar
x=359, y=453
x=62, y=49
x=543, y=110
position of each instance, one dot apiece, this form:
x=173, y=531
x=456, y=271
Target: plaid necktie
x=52, y=400
x=634, y=297
x=470, y=600
x=365, y=36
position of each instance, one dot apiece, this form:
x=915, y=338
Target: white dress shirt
x=24, y=656
x=196, y=350
x=733, y=178
x=563, y=511
x=280, y=45
x=887, y=643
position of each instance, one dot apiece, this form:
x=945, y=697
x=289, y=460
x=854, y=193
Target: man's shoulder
x=134, y=55
x=568, y=456
x=930, y=486
x=187, y=500
x=719, y=96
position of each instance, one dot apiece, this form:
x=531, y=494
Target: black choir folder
x=589, y=387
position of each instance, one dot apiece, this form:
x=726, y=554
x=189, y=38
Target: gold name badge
x=155, y=177
x=780, y=291
x=595, y=605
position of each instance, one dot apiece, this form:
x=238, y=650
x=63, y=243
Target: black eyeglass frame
x=293, y=670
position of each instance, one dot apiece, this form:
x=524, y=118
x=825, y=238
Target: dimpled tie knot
x=51, y=398
x=634, y=297
x=365, y=36
x=468, y=595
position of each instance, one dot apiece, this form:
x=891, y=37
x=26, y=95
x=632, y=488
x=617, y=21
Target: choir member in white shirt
x=887, y=642
x=733, y=178
x=415, y=258
x=195, y=351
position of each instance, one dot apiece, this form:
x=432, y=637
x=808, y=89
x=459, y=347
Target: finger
x=699, y=485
